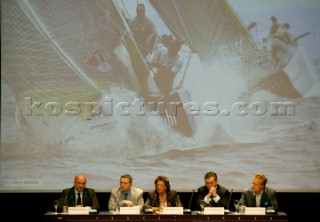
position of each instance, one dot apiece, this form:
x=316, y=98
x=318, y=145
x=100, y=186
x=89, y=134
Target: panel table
x=104, y=216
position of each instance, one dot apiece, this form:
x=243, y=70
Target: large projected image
x=192, y=86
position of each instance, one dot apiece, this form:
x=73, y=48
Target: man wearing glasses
x=125, y=195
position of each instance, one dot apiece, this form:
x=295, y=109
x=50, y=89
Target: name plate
x=79, y=210
x=213, y=211
x=270, y=210
x=130, y=210
x=172, y=210
x=255, y=211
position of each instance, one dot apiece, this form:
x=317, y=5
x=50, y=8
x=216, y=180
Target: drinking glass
x=55, y=204
x=236, y=205
x=202, y=204
x=241, y=208
x=116, y=206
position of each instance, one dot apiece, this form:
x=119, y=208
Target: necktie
x=254, y=201
x=79, y=199
x=211, y=202
x=126, y=195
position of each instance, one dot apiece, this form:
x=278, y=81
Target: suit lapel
x=85, y=197
x=264, y=199
x=72, y=197
x=254, y=203
x=131, y=194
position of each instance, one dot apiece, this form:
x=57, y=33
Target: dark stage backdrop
x=80, y=94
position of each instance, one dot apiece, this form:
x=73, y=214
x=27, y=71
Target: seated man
x=79, y=195
x=126, y=195
x=212, y=193
x=259, y=195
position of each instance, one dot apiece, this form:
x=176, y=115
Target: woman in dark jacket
x=162, y=196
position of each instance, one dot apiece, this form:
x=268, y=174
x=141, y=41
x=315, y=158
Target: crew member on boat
x=142, y=27
x=274, y=27
x=165, y=62
x=283, y=45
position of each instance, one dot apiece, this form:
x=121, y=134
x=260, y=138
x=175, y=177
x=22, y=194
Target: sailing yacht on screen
x=67, y=56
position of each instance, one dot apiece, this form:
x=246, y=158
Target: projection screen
x=214, y=86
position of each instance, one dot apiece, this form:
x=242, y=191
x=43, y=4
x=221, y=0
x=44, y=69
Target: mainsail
x=61, y=57
x=48, y=52
x=205, y=25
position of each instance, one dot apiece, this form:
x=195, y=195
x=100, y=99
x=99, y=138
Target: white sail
x=57, y=53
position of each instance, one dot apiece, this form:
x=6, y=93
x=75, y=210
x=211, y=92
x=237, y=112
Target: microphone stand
x=154, y=198
x=231, y=190
x=188, y=211
x=148, y=208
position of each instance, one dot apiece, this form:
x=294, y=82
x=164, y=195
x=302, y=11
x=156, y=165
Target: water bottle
x=65, y=205
x=178, y=201
x=116, y=206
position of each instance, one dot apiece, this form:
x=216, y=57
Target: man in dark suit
x=125, y=195
x=79, y=195
x=212, y=192
x=259, y=195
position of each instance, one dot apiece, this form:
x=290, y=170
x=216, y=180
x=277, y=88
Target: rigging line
x=31, y=14
x=185, y=28
x=124, y=32
x=171, y=28
x=125, y=23
x=125, y=9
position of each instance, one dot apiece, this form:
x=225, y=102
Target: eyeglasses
x=210, y=182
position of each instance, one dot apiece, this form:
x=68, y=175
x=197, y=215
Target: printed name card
x=270, y=210
x=130, y=210
x=172, y=210
x=79, y=210
x=213, y=211
x=255, y=211
x=93, y=211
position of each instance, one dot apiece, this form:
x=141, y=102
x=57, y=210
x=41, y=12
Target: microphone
x=188, y=211
x=154, y=198
x=148, y=208
x=191, y=199
x=231, y=190
x=268, y=210
x=65, y=204
x=65, y=201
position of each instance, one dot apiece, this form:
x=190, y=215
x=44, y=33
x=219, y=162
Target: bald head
x=80, y=181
